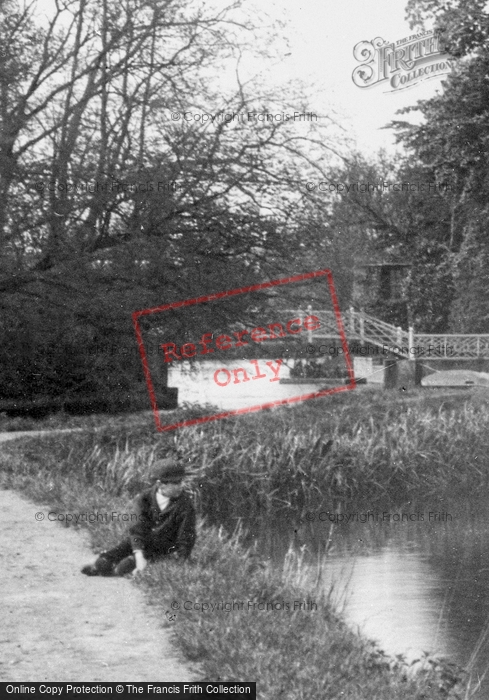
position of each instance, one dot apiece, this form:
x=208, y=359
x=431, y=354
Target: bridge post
x=362, y=329
x=309, y=333
x=399, y=337
x=352, y=321
x=412, y=353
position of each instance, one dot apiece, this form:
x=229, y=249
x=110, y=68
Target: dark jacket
x=158, y=533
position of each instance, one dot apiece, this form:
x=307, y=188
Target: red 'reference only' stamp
x=173, y=352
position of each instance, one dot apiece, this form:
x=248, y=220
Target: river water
x=199, y=384
x=415, y=579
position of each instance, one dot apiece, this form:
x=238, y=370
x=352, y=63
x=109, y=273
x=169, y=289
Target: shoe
x=102, y=567
x=126, y=566
x=90, y=570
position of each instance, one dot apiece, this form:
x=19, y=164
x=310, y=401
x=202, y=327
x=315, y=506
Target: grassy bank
x=381, y=448
x=282, y=631
x=385, y=448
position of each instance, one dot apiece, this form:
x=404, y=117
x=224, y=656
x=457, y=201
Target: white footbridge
x=365, y=330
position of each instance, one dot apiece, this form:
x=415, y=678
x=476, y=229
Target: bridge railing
x=358, y=326
x=449, y=346
x=327, y=319
x=377, y=332
x=362, y=327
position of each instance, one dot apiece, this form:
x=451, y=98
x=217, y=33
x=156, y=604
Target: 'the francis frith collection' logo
x=403, y=63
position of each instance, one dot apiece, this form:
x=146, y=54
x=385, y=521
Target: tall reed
x=270, y=461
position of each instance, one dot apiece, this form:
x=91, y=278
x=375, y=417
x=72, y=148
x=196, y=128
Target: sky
x=322, y=34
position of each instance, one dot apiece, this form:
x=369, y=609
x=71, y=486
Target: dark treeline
x=95, y=101
x=431, y=207
x=95, y=93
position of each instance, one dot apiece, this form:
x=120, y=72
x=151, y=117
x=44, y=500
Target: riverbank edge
x=286, y=635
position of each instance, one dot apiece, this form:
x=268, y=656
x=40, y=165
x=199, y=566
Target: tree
x=387, y=208
x=86, y=127
x=452, y=142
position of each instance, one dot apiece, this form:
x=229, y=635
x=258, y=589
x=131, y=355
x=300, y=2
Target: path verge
x=59, y=625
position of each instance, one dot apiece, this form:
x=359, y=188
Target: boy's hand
x=141, y=562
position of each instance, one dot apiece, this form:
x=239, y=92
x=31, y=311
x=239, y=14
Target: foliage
x=440, y=230
x=118, y=191
x=394, y=210
x=324, y=658
x=451, y=141
x=385, y=449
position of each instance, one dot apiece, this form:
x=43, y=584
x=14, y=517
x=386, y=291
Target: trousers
x=109, y=560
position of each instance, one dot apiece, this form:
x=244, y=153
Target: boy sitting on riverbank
x=164, y=526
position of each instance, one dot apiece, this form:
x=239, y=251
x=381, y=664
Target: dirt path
x=58, y=625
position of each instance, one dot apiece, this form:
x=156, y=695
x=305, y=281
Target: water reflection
x=199, y=386
x=415, y=587
x=392, y=598
x=418, y=585
x=413, y=601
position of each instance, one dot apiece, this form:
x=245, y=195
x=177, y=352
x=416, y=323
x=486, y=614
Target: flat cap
x=168, y=469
